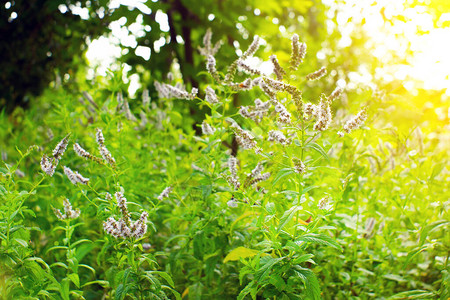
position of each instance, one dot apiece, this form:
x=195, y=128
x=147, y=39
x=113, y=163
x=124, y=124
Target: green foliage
x=36, y=39
x=362, y=216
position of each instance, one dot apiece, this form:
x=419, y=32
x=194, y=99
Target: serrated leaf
x=246, y=290
x=311, y=283
x=317, y=238
x=265, y=269
x=302, y=258
x=278, y=282
x=75, y=279
x=287, y=216
x=174, y=292
x=166, y=277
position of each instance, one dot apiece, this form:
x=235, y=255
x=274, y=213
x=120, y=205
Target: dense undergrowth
x=277, y=198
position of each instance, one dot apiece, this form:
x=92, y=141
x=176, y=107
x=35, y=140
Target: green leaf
x=394, y=277
x=166, y=277
x=59, y=264
x=57, y=248
x=278, y=282
x=102, y=283
x=414, y=253
x=311, y=283
x=75, y=279
x=65, y=289
x=87, y=267
x=287, y=216
x=174, y=292
x=318, y=238
x=80, y=241
x=153, y=280
x=119, y=292
x=238, y=253
x=414, y=294
x=265, y=269
x=318, y=148
x=23, y=243
x=246, y=290
x=302, y=258
x=39, y=260
x=427, y=229
x=436, y=170
x=281, y=174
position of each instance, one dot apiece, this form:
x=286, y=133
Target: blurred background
x=398, y=48
x=391, y=54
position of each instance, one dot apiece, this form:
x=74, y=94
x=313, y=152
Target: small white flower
x=232, y=203
x=69, y=213
x=165, y=193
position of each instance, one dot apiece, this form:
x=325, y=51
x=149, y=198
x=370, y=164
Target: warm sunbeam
x=411, y=45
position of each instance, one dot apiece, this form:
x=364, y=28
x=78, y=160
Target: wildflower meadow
x=242, y=184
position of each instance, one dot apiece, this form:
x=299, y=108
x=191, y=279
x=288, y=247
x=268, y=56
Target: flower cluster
x=49, y=164
x=84, y=154
x=252, y=48
x=208, y=49
x=74, y=176
x=266, y=89
x=233, y=179
x=309, y=110
x=257, y=112
x=69, y=213
x=124, y=227
x=232, y=203
x=277, y=69
x=280, y=86
x=244, y=85
x=284, y=116
x=207, y=129
x=261, y=177
x=211, y=67
x=299, y=166
x=102, y=148
x=255, y=176
x=124, y=107
x=324, y=204
x=169, y=91
x=276, y=135
x=244, y=138
x=165, y=193
x=298, y=52
x=335, y=94
x=317, y=74
x=89, y=98
x=247, y=68
x=322, y=114
x=145, y=98
x=211, y=96
x=355, y=122
x=240, y=61
x=61, y=147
